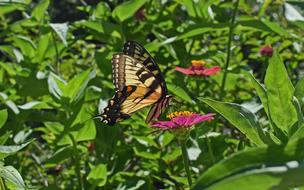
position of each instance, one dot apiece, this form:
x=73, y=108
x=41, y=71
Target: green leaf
x=261, y=92
x=12, y=149
x=127, y=9
x=56, y=85
x=178, y=91
x=88, y=131
x=243, y=162
x=26, y=45
x=4, y=137
x=291, y=13
x=264, y=25
x=92, y=25
x=3, y=117
x=10, y=174
x=277, y=28
x=40, y=10
x=299, y=91
x=298, y=134
x=75, y=87
x=12, y=1
x=102, y=10
x=146, y=154
x=190, y=6
x=280, y=92
x=241, y=118
x=34, y=105
x=61, y=30
x=209, y=27
x=297, y=106
x=98, y=175
x=42, y=48
x=9, y=103
x=61, y=155
x=272, y=177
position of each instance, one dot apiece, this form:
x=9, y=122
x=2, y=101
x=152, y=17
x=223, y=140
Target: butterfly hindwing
x=112, y=113
x=127, y=101
x=157, y=109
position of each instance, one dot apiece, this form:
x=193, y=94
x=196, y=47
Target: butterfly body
x=138, y=83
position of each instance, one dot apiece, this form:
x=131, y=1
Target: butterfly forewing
x=129, y=72
x=139, y=53
x=138, y=83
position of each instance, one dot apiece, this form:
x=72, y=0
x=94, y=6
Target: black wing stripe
x=137, y=51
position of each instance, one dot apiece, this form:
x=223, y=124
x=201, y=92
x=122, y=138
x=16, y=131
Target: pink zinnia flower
x=198, y=69
x=182, y=120
x=266, y=50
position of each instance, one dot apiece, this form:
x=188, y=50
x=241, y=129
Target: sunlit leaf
x=272, y=177
x=9, y=103
x=202, y=29
x=292, y=14
x=241, y=118
x=43, y=44
x=261, y=91
x=56, y=85
x=61, y=30
x=11, y=149
x=10, y=174
x=34, y=105
x=179, y=92
x=40, y=10
x=245, y=162
x=75, y=87
x=98, y=175
x=26, y=45
x=280, y=91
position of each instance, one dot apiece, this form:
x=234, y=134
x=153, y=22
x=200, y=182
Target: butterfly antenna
x=92, y=117
x=154, y=132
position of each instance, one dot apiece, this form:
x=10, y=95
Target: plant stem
x=2, y=184
x=231, y=28
x=57, y=63
x=210, y=150
x=264, y=8
x=186, y=160
x=188, y=53
x=77, y=163
x=57, y=53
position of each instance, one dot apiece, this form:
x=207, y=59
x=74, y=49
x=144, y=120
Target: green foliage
x=127, y=9
x=279, y=95
x=55, y=76
x=272, y=167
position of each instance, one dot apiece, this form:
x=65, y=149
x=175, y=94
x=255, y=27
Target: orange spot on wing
x=129, y=88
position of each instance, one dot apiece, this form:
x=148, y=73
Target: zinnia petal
x=200, y=118
x=186, y=71
x=212, y=70
x=164, y=124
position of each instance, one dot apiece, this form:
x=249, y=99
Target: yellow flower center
x=179, y=113
x=198, y=63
